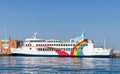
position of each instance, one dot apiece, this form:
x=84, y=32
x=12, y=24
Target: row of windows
x=51, y=49
x=54, y=41
x=43, y=41
x=55, y=44
x=37, y=41
x=28, y=45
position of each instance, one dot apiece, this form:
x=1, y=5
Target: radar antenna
x=35, y=35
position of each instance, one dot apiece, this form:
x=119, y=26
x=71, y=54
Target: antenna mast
x=5, y=33
x=104, y=42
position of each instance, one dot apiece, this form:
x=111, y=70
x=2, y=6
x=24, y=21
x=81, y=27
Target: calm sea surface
x=59, y=65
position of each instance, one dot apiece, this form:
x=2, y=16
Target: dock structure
x=5, y=46
x=116, y=54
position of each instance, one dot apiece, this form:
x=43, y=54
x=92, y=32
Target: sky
x=62, y=19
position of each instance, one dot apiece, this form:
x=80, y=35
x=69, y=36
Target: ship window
x=69, y=49
x=41, y=49
x=38, y=49
x=66, y=49
x=52, y=49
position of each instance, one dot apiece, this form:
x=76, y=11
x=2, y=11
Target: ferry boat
x=76, y=47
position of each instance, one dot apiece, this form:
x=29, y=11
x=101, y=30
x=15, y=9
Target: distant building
x=5, y=45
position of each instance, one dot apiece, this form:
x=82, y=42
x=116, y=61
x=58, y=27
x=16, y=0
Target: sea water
x=58, y=65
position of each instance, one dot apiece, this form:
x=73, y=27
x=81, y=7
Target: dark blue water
x=59, y=65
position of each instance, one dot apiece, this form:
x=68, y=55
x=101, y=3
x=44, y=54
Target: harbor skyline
x=63, y=19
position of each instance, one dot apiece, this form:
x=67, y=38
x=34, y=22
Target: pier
x=116, y=54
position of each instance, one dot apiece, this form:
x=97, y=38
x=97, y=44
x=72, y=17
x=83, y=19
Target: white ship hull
x=22, y=52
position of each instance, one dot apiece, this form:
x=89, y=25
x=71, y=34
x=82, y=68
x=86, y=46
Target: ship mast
x=104, y=42
x=5, y=34
x=35, y=35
